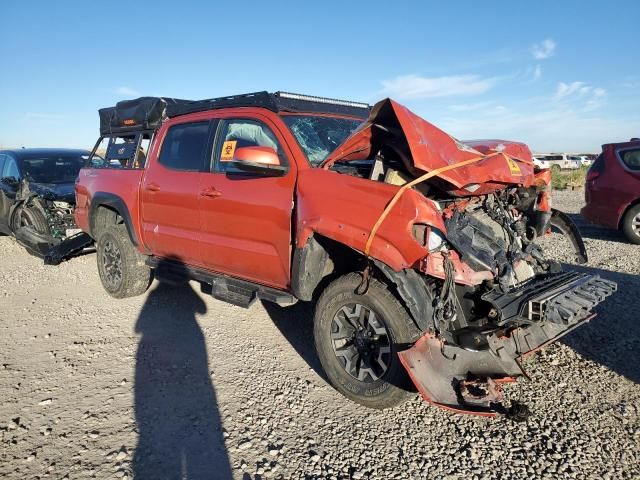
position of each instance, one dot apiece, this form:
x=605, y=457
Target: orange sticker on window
x=514, y=168
x=228, y=149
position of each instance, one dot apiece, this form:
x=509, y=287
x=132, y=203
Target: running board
x=221, y=287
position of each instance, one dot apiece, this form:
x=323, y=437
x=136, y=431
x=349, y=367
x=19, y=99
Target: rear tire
x=363, y=363
x=631, y=224
x=121, y=267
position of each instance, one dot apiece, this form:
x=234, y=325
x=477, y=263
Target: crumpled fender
x=430, y=148
x=319, y=191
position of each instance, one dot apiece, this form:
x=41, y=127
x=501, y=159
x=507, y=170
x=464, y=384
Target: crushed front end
x=496, y=297
x=44, y=224
x=485, y=295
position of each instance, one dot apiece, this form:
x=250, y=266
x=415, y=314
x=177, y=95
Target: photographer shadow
x=179, y=425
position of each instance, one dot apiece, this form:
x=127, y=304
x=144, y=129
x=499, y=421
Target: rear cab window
x=125, y=151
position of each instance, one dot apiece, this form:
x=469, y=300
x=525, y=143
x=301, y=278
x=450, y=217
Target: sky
x=558, y=75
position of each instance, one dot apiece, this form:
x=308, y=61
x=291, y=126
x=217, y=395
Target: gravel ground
x=174, y=384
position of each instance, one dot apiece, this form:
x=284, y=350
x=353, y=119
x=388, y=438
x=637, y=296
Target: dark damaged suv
x=37, y=195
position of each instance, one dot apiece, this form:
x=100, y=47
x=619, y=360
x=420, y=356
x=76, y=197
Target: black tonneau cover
x=147, y=113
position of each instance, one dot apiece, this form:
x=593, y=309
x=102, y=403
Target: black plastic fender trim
x=563, y=222
x=114, y=201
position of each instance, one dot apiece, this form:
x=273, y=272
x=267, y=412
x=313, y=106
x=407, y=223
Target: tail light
x=596, y=169
x=593, y=174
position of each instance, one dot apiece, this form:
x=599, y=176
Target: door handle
x=152, y=187
x=210, y=192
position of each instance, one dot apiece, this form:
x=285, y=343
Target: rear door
x=170, y=191
x=246, y=218
x=628, y=186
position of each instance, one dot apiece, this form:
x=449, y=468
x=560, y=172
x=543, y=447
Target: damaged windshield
x=319, y=136
x=55, y=169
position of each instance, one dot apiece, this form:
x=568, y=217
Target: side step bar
x=221, y=287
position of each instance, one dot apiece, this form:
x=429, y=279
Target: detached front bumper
x=53, y=251
x=529, y=318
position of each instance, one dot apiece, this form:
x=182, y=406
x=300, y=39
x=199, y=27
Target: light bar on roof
x=331, y=101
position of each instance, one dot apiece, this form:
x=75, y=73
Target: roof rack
x=150, y=112
x=277, y=102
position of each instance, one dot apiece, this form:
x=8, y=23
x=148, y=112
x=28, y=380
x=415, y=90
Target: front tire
x=29, y=217
x=357, y=338
x=631, y=224
x=121, y=267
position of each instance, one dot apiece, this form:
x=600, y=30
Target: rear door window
x=631, y=159
x=185, y=147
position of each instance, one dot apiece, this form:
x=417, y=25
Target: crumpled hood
x=62, y=192
x=428, y=148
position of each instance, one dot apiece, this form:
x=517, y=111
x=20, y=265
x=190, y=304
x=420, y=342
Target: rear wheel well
x=104, y=217
x=624, y=213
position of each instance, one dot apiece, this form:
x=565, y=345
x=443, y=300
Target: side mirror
x=261, y=155
x=258, y=160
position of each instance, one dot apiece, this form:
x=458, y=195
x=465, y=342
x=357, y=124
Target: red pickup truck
x=418, y=250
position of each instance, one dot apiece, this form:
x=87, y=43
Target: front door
x=9, y=176
x=246, y=218
x=170, y=192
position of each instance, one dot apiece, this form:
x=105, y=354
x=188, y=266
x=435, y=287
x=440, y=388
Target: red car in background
x=612, y=190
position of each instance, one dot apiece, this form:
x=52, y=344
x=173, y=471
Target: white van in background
x=542, y=164
x=561, y=160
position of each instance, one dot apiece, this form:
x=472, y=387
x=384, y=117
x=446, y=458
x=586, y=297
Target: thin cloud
x=582, y=91
x=414, y=87
x=532, y=74
x=128, y=91
x=544, y=49
x=537, y=72
x=550, y=129
x=564, y=90
x=469, y=107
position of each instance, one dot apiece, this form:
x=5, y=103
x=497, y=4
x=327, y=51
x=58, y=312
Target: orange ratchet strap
x=420, y=179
